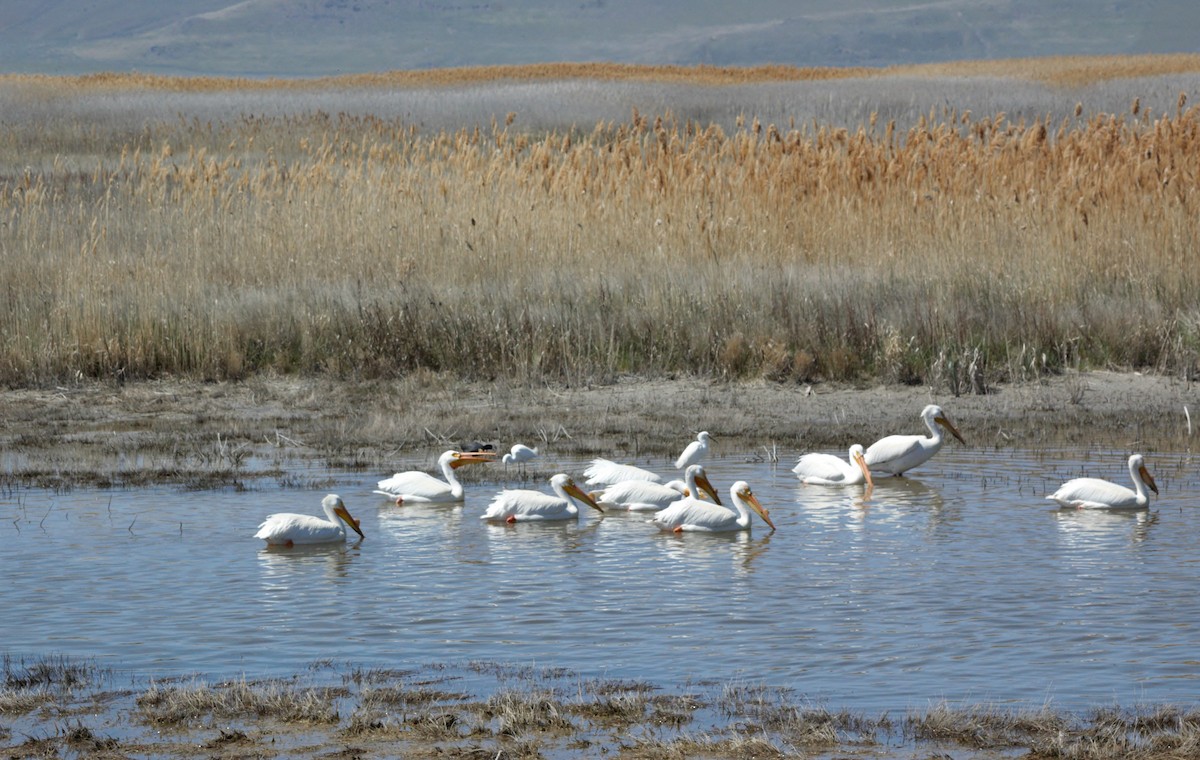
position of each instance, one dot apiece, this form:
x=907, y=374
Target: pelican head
x=1138, y=465
x=741, y=491
x=703, y=483
x=567, y=484
x=933, y=414
x=457, y=459
x=334, y=505
x=859, y=458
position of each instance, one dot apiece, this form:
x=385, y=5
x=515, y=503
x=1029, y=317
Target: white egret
x=828, y=470
x=1094, y=493
x=691, y=514
x=520, y=505
x=644, y=496
x=421, y=487
x=695, y=453
x=519, y=454
x=288, y=529
x=897, y=454
x=605, y=472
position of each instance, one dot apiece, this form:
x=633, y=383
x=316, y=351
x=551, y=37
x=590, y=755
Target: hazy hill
x=321, y=37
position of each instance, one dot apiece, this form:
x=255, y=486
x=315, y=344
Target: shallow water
x=959, y=583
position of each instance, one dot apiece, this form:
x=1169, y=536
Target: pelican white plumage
x=828, y=470
x=644, y=496
x=897, y=454
x=288, y=529
x=693, y=515
x=1094, y=493
x=605, y=472
x=422, y=488
x=521, y=505
x=695, y=452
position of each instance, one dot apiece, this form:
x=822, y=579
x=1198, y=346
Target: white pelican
x=897, y=454
x=644, y=496
x=604, y=472
x=1094, y=493
x=525, y=505
x=828, y=470
x=695, y=452
x=288, y=529
x=692, y=514
x=421, y=487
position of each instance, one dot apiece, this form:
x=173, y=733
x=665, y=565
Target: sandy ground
x=214, y=433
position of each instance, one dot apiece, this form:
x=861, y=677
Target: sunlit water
x=959, y=583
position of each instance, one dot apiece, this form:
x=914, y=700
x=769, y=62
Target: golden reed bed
x=958, y=250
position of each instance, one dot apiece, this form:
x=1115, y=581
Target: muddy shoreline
x=217, y=434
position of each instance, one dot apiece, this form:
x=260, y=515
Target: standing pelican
x=1094, y=493
x=897, y=454
x=525, y=505
x=644, y=496
x=604, y=472
x=828, y=470
x=695, y=452
x=421, y=487
x=288, y=529
x=692, y=514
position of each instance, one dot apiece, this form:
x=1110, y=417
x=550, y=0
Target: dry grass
x=530, y=712
x=961, y=250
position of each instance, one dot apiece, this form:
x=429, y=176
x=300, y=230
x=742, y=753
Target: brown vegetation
x=534, y=714
x=960, y=251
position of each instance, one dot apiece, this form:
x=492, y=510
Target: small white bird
x=695, y=453
x=422, y=488
x=897, y=454
x=519, y=455
x=288, y=529
x=522, y=505
x=828, y=470
x=605, y=472
x=644, y=496
x=691, y=514
x=1094, y=493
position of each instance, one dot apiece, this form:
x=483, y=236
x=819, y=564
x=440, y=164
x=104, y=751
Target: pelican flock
x=1094, y=493
x=289, y=529
x=422, y=488
x=689, y=506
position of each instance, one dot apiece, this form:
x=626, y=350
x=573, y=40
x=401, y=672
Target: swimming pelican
x=288, y=529
x=604, y=472
x=1094, y=493
x=644, y=496
x=525, y=505
x=828, y=470
x=897, y=454
x=519, y=455
x=692, y=514
x=695, y=452
x=423, y=488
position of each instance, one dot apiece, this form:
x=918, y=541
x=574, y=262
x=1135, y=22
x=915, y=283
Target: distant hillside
x=322, y=37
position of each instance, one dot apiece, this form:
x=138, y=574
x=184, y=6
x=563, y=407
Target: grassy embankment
x=55, y=706
x=957, y=251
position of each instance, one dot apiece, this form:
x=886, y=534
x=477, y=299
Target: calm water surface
x=959, y=583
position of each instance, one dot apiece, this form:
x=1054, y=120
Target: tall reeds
x=360, y=246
